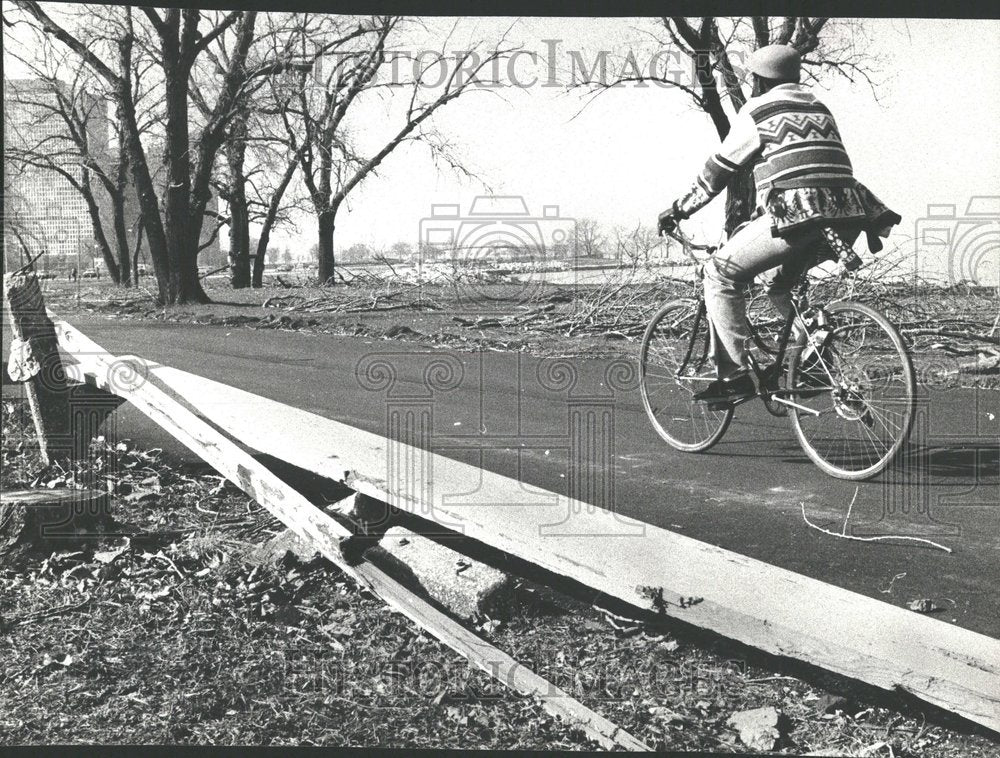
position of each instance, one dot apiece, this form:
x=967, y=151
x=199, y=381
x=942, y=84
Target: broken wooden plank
x=329, y=537
x=35, y=361
x=126, y=377
x=772, y=609
x=495, y=662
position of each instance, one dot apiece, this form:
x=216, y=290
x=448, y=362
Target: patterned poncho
x=802, y=171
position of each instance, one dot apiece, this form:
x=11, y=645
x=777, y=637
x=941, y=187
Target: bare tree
x=175, y=40
x=635, y=247
x=260, y=159
x=588, y=238
x=401, y=251
x=713, y=48
x=72, y=138
x=331, y=165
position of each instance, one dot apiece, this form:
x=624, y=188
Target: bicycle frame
x=801, y=289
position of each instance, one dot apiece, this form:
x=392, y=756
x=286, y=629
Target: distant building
x=42, y=210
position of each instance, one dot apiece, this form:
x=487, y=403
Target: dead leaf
x=491, y=626
x=758, y=728
x=668, y=716
x=107, y=556
x=156, y=595
x=60, y=659
x=876, y=747
x=342, y=627
x=830, y=704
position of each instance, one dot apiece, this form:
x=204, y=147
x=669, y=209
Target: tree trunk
x=145, y=193
x=740, y=199
x=46, y=520
x=98, y=227
x=327, y=268
x=239, y=245
x=121, y=240
x=239, y=214
x=272, y=214
x=177, y=200
x=118, y=211
x=741, y=194
x=139, y=229
x=189, y=289
x=258, y=264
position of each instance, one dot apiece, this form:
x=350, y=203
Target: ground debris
x=759, y=728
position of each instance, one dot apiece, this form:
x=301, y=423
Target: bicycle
x=849, y=383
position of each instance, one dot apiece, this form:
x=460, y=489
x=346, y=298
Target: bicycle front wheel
x=857, y=392
x=674, y=363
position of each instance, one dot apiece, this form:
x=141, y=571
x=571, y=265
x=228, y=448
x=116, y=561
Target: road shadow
x=966, y=461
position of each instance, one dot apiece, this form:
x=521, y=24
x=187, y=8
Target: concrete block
x=464, y=586
x=368, y=515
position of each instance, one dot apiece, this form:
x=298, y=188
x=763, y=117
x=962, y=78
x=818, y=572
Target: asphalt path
x=576, y=426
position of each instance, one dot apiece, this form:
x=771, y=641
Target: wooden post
x=35, y=361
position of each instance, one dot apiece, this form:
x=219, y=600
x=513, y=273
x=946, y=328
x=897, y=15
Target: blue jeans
x=752, y=251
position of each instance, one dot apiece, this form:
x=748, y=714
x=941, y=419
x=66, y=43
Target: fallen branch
x=972, y=336
x=880, y=538
x=48, y=613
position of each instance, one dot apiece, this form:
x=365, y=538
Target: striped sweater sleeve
x=740, y=145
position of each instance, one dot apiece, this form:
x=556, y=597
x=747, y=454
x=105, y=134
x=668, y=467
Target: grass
x=179, y=633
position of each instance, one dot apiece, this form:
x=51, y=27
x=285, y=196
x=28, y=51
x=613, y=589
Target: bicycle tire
x=667, y=346
x=862, y=385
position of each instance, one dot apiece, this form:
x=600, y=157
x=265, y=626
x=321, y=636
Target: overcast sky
x=932, y=138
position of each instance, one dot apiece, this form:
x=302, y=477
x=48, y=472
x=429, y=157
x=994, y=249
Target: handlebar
x=690, y=245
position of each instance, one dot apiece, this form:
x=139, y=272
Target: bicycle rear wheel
x=674, y=363
x=859, y=391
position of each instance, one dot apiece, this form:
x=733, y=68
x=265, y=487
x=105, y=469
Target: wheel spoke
x=675, y=364
x=870, y=408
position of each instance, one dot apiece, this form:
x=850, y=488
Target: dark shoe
x=725, y=391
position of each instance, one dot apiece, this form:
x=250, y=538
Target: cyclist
x=806, y=197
